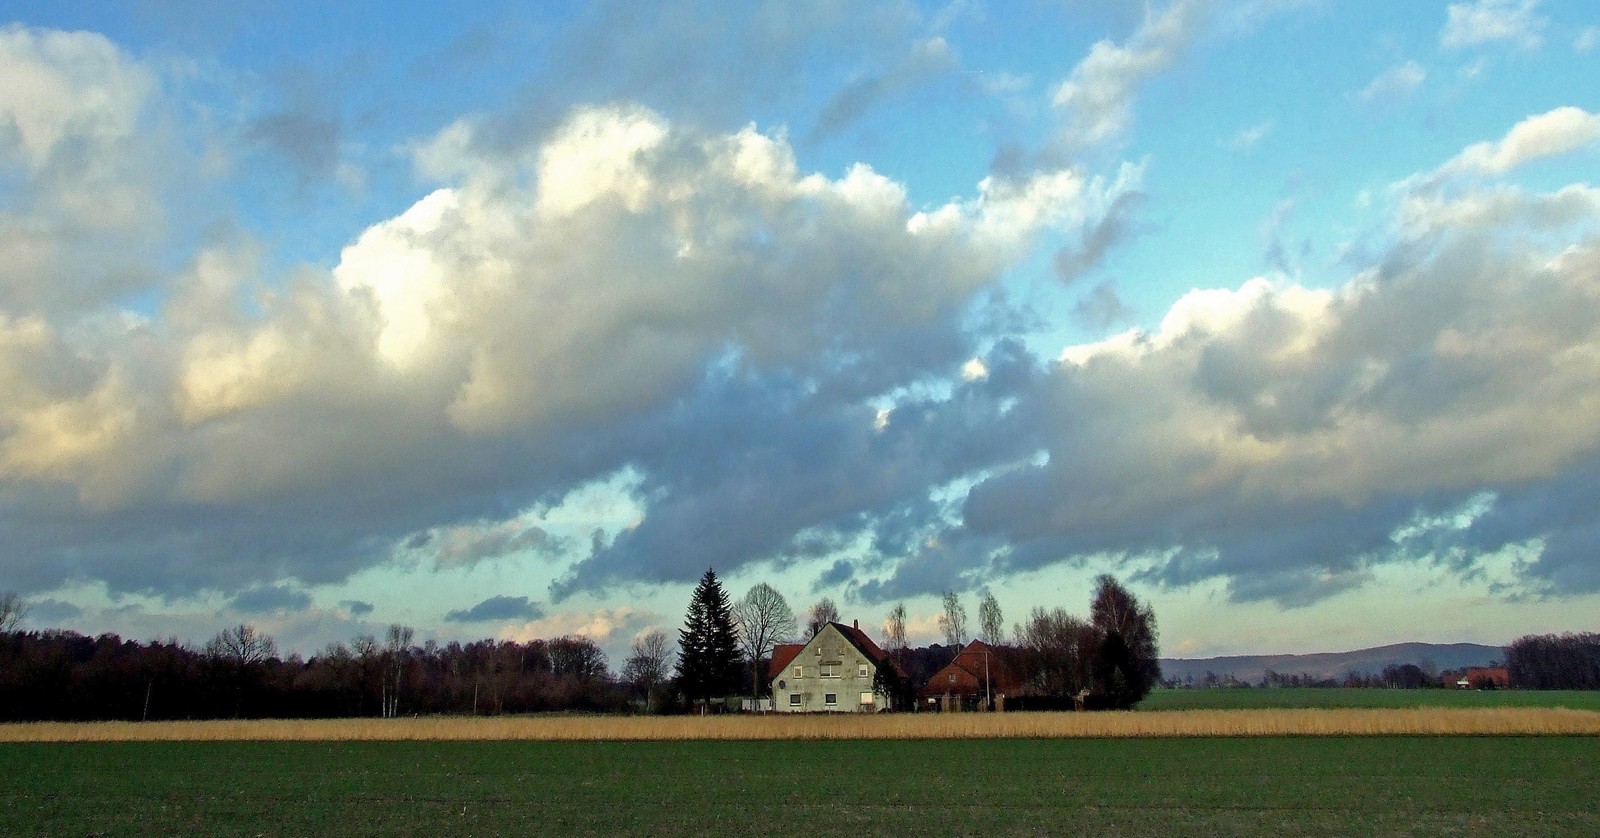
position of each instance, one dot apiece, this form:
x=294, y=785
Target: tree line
x=1555, y=662
x=57, y=675
x=722, y=651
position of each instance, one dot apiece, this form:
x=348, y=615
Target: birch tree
x=991, y=626
x=953, y=620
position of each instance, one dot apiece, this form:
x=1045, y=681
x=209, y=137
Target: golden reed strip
x=1520, y=721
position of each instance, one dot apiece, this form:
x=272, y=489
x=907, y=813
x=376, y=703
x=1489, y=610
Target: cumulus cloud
x=1278, y=437
x=497, y=609
x=76, y=150
x=596, y=298
x=1487, y=21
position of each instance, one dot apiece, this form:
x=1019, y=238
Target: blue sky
x=509, y=320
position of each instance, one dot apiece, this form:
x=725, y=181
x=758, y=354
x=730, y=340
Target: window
x=799, y=671
x=952, y=677
x=867, y=698
x=794, y=699
x=861, y=671
x=829, y=670
x=830, y=699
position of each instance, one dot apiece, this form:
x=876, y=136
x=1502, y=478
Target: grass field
x=1341, y=785
x=1256, y=698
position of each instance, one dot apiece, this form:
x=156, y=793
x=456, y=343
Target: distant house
x=835, y=672
x=1484, y=678
x=979, y=675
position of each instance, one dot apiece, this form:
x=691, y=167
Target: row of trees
x=62, y=675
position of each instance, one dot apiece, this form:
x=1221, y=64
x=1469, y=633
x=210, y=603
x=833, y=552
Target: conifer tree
x=708, y=657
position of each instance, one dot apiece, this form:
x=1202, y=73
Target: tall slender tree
x=894, y=629
x=991, y=625
x=953, y=621
x=708, y=655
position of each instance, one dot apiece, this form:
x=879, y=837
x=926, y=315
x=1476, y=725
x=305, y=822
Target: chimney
x=857, y=624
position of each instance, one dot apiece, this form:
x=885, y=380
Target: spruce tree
x=708, y=660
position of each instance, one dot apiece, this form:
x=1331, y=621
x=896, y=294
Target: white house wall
x=828, y=665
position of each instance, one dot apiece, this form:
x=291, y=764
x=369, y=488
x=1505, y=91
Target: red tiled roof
x=782, y=655
x=862, y=642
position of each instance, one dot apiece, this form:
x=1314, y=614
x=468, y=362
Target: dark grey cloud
x=308, y=139
x=926, y=62
x=356, y=607
x=497, y=609
x=1102, y=307
x=1119, y=224
x=265, y=600
x=53, y=613
x=754, y=467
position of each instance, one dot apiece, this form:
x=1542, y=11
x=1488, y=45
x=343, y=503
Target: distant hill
x=1252, y=668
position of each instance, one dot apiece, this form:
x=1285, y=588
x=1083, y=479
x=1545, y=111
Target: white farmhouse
x=832, y=673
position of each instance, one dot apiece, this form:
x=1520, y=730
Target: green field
x=1264, y=698
x=1358, y=785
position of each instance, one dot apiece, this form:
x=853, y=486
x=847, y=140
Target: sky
x=510, y=319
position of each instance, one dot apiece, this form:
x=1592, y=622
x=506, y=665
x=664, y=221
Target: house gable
x=835, y=671
x=976, y=665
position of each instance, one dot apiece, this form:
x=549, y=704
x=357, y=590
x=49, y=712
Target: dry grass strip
x=1518, y=721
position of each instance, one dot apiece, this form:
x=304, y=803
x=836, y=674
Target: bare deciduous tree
x=1057, y=652
x=649, y=664
x=577, y=656
x=764, y=620
x=823, y=613
x=953, y=622
x=991, y=626
x=241, y=645
x=239, y=654
x=894, y=628
x=13, y=609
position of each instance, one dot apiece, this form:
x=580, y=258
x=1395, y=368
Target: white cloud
x=1486, y=21
x=1587, y=39
x=1550, y=134
x=1099, y=93
x=604, y=626
x=1250, y=137
x=1395, y=83
x=73, y=108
